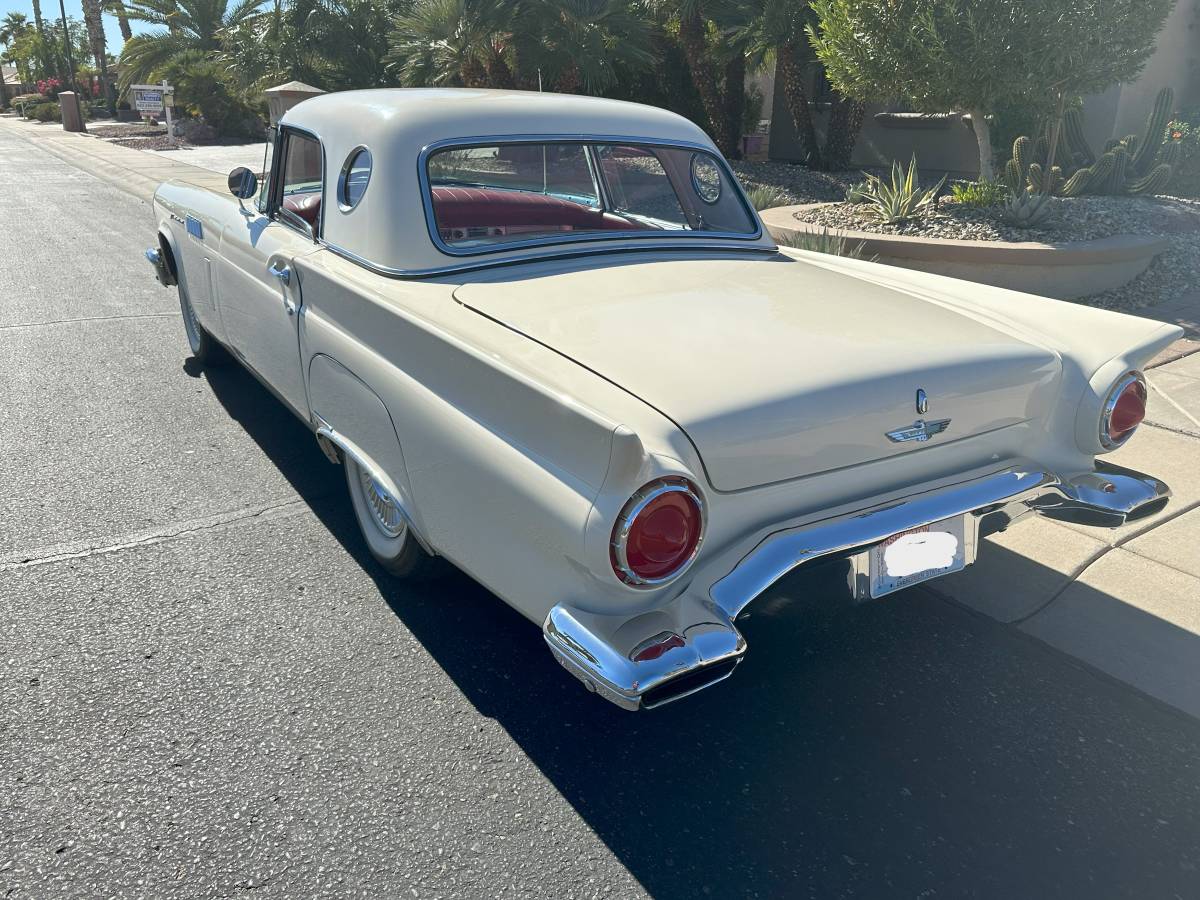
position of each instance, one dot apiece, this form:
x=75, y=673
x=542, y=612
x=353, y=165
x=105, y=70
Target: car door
x=261, y=298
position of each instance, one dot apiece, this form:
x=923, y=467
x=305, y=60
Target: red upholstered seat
x=471, y=207
x=306, y=206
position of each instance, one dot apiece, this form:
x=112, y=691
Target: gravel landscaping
x=1073, y=219
x=1175, y=272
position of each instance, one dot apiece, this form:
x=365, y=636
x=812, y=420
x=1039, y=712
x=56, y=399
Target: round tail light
x=658, y=533
x=1123, y=410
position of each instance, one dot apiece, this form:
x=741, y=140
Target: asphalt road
x=207, y=688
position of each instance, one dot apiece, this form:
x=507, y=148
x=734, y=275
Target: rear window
x=493, y=195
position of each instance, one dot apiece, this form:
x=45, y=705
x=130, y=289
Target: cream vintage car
x=551, y=342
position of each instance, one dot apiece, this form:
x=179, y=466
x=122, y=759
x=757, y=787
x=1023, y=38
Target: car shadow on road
x=907, y=748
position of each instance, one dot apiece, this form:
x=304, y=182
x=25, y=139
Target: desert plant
x=901, y=198
x=1131, y=165
x=765, y=196
x=979, y=194
x=823, y=241
x=857, y=192
x=1027, y=210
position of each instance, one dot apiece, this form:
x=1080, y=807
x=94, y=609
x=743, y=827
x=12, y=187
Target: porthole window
x=706, y=177
x=356, y=174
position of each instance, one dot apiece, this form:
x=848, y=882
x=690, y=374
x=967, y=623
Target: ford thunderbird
x=549, y=341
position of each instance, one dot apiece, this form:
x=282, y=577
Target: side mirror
x=243, y=183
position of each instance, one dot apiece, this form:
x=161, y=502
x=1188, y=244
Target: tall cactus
x=1156, y=128
x=1135, y=164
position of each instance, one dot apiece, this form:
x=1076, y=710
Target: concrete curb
x=1064, y=270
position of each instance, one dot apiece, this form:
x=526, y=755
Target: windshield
x=501, y=194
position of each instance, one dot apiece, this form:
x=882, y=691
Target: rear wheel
x=386, y=531
x=205, y=348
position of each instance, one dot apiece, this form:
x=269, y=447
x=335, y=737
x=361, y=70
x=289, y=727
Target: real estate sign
x=151, y=99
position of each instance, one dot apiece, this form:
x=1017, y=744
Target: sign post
x=154, y=100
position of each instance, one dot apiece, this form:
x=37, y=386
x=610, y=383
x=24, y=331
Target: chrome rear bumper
x=652, y=658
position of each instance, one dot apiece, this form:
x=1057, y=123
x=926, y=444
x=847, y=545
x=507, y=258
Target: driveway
x=209, y=688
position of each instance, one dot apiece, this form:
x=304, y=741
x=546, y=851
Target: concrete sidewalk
x=1126, y=601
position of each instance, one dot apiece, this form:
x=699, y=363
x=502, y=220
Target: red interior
x=471, y=207
x=306, y=206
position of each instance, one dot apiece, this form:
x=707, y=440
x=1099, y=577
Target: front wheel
x=205, y=348
x=387, y=533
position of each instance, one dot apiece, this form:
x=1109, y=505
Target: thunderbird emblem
x=920, y=430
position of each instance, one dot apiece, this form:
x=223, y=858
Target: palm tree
x=12, y=26
x=710, y=34
x=97, y=44
x=779, y=30
x=189, y=25
x=117, y=8
x=578, y=45
x=454, y=42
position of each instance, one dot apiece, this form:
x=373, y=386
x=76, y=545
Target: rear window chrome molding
x=552, y=253
x=464, y=143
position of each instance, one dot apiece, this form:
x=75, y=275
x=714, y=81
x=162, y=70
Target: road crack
x=61, y=553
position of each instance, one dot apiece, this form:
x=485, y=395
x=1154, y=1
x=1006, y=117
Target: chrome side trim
x=550, y=253
x=325, y=432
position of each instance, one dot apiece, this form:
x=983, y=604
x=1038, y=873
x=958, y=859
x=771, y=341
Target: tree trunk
x=735, y=99
x=845, y=121
x=983, y=137
x=123, y=22
x=49, y=66
x=790, y=73
x=695, y=48
x=1060, y=109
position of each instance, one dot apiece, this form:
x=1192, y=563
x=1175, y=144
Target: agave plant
x=901, y=198
x=1027, y=210
x=764, y=196
x=823, y=241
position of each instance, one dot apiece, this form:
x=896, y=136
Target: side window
x=300, y=178
x=639, y=185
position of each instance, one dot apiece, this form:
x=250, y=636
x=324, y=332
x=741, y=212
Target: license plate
x=917, y=555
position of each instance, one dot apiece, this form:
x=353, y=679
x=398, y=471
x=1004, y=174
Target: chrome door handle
x=282, y=272
x=289, y=307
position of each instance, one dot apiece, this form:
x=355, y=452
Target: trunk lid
x=777, y=369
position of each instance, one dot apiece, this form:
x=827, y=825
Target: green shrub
x=1185, y=131
x=823, y=241
x=764, y=196
x=979, y=194
x=44, y=112
x=204, y=88
x=901, y=198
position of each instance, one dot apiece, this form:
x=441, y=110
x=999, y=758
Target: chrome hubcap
x=385, y=512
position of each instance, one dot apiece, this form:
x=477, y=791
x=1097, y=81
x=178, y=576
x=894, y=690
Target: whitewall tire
x=383, y=526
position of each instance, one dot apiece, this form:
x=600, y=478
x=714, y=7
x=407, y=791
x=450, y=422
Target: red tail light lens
x=1123, y=411
x=658, y=533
